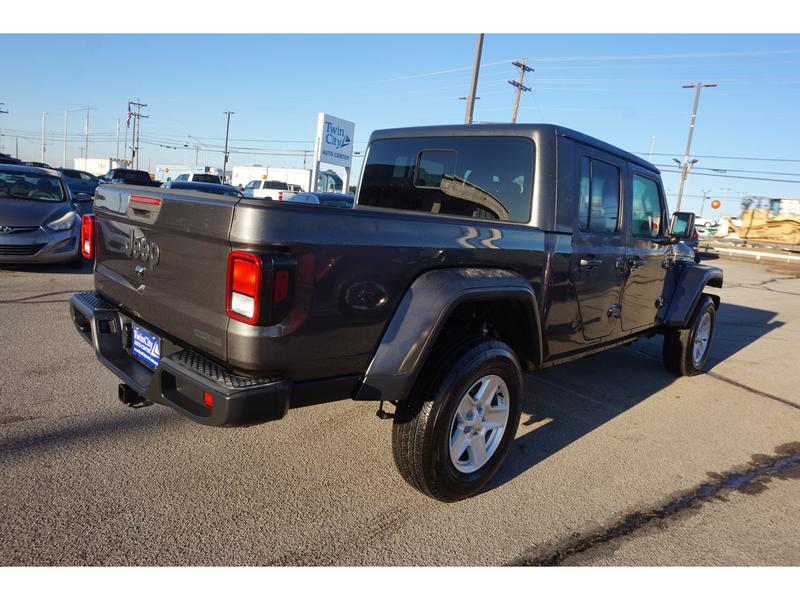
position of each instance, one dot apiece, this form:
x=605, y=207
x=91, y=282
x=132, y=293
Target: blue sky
x=623, y=89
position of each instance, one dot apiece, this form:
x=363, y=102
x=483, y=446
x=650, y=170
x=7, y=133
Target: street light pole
x=473, y=88
x=225, y=158
x=685, y=166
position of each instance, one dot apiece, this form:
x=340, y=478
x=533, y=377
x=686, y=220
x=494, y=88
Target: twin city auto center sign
x=335, y=140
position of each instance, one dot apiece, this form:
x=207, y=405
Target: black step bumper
x=182, y=376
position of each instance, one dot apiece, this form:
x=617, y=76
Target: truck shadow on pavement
x=86, y=268
x=116, y=424
x=564, y=403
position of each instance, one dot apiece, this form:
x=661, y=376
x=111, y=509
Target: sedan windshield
x=31, y=186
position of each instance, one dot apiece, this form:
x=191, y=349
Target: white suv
x=199, y=177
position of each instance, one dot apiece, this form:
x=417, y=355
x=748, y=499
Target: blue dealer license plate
x=146, y=347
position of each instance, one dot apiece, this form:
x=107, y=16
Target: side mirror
x=81, y=197
x=682, y=225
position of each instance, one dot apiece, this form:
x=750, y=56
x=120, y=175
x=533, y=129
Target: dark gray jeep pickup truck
x=474, y=253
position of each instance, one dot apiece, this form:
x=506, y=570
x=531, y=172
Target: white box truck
x=98, y=166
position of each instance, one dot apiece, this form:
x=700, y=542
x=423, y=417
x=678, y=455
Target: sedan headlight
x=63, y=223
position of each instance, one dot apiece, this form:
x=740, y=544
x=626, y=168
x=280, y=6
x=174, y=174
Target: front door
x=598, y=249
x=644, y=284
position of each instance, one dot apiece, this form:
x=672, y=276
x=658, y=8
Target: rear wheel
x=453, y=433
x=686, y=350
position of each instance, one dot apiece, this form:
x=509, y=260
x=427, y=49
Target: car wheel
x=686, y=350
x=451, y=436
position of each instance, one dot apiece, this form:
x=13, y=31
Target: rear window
x=478, y=177
x=206, y=178
x=132, y=175
x=276, y=185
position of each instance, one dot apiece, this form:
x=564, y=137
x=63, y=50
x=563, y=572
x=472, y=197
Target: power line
x=721, y=170
x=737, y=177
x=725, y=157
x=598, y=58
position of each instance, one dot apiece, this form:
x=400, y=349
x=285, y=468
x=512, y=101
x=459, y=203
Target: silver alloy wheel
x=701, y=338
x=478, y=425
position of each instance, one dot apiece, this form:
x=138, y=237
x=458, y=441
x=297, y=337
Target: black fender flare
x=691, y=280
x=421, y=316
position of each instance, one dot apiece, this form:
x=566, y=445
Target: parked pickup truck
x=268, y=190
x=473, y=254
x=129, y=176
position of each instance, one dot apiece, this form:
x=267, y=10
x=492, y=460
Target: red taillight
x=87, y=236
x=280, y=195
x=145, y=200
x=208, y=400
x=243, y=294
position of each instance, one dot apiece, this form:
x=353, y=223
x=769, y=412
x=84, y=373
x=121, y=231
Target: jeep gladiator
x=473, y=254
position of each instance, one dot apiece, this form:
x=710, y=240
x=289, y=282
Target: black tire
x=678, y=348
x=423, y=424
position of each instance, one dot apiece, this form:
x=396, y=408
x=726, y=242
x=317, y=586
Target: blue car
x=80, y=182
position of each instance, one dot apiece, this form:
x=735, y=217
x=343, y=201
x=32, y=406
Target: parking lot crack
x=750, y=479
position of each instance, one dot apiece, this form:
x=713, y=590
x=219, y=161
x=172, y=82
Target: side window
x=182, y=177
x=646, y=213
x=598, y=203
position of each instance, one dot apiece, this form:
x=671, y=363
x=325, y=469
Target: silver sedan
x=39, y=217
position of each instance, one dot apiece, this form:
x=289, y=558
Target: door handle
x=634, y=262
x=589, y=262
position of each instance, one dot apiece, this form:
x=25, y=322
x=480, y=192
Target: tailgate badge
x=142, y=249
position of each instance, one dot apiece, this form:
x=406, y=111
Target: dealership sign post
x=334, y=146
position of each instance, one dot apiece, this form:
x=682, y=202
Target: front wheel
x=451, y=436
x=686, y=350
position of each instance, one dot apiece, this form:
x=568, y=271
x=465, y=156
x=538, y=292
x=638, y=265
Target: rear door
x=598, y=249
x=162, y=256
x=644, y=284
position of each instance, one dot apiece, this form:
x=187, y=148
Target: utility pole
x=117, y=153
x=44, y=125
x=64, y=162
x=703, y=205
x=225, y=158
x=652, y=147
x=473, y=88
x=523, y=68
x=86, y=139
x=127, y=125
x=685, y=167
x=137, y=129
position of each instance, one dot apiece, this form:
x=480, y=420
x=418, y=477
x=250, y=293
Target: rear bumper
x=182, y=375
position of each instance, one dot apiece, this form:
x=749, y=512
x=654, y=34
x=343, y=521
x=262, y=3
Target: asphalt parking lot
x=616, y=461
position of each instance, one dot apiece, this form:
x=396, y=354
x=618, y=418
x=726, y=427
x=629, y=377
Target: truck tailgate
x=162, y=257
